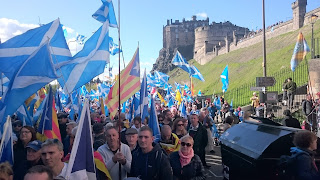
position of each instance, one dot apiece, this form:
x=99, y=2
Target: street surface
x=214, y=160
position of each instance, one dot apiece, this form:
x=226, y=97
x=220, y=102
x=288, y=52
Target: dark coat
x=304, y=164
x=200, y=138
x=154, y=165
x=307, y=107
x=190, y=171
x=99, y=141
x=291, y=122
x=21, y=169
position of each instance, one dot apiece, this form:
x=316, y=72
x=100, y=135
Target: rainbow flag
x=300, y=51
x=130, y=84
x=48, y=125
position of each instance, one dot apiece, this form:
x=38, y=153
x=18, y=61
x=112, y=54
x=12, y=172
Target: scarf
x=185, y=159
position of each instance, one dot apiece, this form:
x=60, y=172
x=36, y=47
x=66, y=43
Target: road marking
x=215, y=174
x=213, y=156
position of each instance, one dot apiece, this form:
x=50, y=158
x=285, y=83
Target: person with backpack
x=304, y=163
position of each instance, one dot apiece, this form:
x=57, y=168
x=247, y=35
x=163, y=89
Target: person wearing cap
x=99, y=135
x=132, y=139
x=33, y=159
x=17, y=125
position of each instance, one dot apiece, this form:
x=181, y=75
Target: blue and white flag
x=197, y=74
x=106, y=13
x=113, y=47
x=136, y=104
x=6, y=149
x=151, y=80
x=28, y=80
x=225, y=79
x=15, y=51
x=80, y=38
x=64, y=29
x=143, y=107
x=4, y=84
x=181, y=62
x=177, y=85
x=186, y=88
x=103, y=89
x=81, y=164
x=88, y=63
x=161, y=78
x=183, y=110
x=153, y=121
x=24, y=116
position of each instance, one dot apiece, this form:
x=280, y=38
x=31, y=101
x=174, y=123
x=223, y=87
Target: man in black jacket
x=309, y=112
x=200, y=137
x=150, y=161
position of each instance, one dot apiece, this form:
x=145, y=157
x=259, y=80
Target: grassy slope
x=246, y=64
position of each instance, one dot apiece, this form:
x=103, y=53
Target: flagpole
x=4, y=134
x=119, y=120
x=2, y=84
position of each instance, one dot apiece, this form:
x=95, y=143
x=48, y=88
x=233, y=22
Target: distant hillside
x=246, y=64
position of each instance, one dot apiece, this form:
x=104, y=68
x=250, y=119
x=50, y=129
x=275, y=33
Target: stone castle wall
x=204, y=54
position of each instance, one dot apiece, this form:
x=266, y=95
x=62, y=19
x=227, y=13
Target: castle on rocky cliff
x=199, y=40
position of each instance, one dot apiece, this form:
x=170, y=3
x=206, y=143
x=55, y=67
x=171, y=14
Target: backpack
x=286, y=167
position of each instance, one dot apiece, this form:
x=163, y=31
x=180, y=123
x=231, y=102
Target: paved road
x=214, y=160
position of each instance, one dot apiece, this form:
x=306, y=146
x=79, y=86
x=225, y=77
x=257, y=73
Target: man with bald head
x=169, y=141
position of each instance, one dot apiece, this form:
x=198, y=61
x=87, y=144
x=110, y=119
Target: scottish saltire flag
x=4, y=84
x=217, y=103
x=113, y=47
x=186, y=88
x=153, y=121
x=15, y=51
x=170, y=102
x=27, y=80
x=181, y=62
x=199, y=93
x=84, y=91
x=80, y=38
x=103, y=89
x=136, y=104
x=81, y=164
x=197, y=74
x=6, y=150
x=130, y=84
x=124, y=107
x=24, y=116
x=58, y=101
x=106, y=13
x=151, y=80
x=300, y=51
x=225, y=79
x=48, y=125
x=183, y=110
x=161, y=78
x=88, y=63
x=143, y=106
x=177, y=86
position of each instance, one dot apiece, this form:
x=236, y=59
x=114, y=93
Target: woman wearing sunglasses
x=185, y=164
x=179, y=128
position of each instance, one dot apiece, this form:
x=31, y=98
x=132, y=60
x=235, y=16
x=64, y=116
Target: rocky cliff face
x=163, y=62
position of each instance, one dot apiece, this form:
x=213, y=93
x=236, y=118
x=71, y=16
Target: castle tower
x=299, y=11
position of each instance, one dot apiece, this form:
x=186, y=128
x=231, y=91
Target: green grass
x=246, y=64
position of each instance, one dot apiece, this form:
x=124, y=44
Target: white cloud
x=10, y=28
x=202, y=15
x=74, y=46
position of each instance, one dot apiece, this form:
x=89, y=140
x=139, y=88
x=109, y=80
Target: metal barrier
x=241, y=96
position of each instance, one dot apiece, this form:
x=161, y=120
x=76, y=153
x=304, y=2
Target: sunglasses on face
x=186, y=144
x=180, y=124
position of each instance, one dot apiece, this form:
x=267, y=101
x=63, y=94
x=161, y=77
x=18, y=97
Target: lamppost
x=312, y=19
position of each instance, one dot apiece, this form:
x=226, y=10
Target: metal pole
x=119, y=112
x=264, y=52
x=312, y=42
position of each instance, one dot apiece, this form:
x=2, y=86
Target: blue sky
x=140, y=21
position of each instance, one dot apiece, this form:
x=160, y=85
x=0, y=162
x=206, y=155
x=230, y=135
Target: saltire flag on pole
x=300, y=51
x=27, y=80
x=24, y=116
x=48, y=125
x=6, y=147
x=80, y=38
x=143, y=106
x=181, y=62
x=197, y=74
x=225, y=79
x=81, y=163
x=106, y=12
x=15, y=51
x=113, y=47
x=130, y=84
x=88, y=63
x=153, y=121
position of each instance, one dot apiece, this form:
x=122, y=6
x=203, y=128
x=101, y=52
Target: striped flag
x=6, y=149
x=48, y=125
x=130, y=84
x=300, y=51
x=100, y=165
